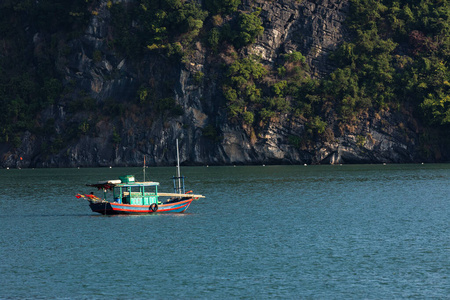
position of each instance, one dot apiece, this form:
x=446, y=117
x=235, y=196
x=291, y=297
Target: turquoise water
x=324, y=232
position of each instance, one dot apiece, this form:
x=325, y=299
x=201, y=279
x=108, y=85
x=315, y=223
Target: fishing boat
x=128, y=196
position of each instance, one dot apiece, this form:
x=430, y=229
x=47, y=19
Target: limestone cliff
x=315, y=28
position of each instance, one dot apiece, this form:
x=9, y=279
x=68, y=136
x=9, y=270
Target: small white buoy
x=264, y=165
x=384, y=164
x=110, y=167
x=305, y=165
x=7, y=168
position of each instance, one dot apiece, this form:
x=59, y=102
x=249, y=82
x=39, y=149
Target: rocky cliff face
x=315, y=28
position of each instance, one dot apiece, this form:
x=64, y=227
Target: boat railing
x=179, y=188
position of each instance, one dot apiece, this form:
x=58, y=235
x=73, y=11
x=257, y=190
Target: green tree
x=222, y=6
x=249, y=27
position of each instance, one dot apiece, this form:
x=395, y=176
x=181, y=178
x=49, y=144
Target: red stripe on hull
x=117, y=208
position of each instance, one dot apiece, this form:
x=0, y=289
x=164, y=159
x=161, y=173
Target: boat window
x=135, y=191
x=117, y=191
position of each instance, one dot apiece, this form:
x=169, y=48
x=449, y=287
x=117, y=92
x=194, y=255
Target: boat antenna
x=178, y=168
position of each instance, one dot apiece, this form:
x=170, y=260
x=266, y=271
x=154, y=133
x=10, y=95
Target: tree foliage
x=399, y=54
x=222, y=6
x=249, y=27
x=169, y=26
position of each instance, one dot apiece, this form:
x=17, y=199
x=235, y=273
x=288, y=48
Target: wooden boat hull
x=114, y=208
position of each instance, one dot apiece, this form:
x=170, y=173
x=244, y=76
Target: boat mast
x=178, y=168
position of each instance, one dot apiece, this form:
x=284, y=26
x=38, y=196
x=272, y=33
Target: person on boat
x=125, y=198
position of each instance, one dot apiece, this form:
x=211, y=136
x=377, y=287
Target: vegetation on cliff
x=33, y=35
x=397, y=56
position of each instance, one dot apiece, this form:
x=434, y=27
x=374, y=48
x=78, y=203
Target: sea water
x=321, y=232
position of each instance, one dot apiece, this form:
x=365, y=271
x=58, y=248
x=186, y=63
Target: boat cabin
x=135, y=193
x=138, y=193
x=127, y=191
